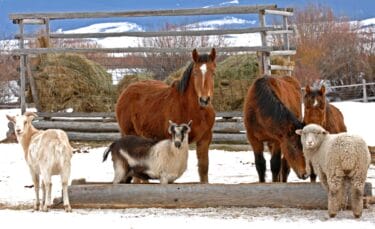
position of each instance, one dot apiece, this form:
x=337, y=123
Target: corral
x=228, y=127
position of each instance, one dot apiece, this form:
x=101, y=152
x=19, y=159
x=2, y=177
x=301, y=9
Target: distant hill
x=355, y=10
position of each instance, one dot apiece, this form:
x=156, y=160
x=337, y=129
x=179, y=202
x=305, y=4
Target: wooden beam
x=278, y=12
x=28, y=51
x=167, y=33
x=282, y=68
x=16, y=17
x=296, y=195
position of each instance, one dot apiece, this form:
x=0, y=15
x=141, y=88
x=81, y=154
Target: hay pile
x=233, y=76
x=73, y=81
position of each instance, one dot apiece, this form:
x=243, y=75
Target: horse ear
x=195, y=55
x=213, y=54
x=307, y=89
x=322, y=89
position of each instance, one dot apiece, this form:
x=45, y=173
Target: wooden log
x=17, y=17
x=295, y=195
x=78, y=126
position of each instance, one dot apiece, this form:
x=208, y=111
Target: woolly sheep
x=47, y=153
x=339, y=160
x=135, y=156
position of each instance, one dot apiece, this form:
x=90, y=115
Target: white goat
x=47, y=152
x=144, y=158
x=338, y=159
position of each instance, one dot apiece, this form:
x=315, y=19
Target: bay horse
x=319, y=111
x=272, y=113
x=145, y=107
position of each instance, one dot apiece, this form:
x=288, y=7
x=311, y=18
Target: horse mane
x=271, y=106
x=183, y=83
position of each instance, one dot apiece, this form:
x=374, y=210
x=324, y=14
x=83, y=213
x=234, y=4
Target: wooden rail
x=102, y=126
x=21, y=17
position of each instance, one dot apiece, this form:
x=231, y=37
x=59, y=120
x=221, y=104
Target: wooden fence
x=265, y=50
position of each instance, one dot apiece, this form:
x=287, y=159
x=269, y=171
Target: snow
x=225, y=167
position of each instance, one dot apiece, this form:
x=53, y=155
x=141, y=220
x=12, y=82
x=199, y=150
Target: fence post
x=365, y=99
x=265, y=56
x=22, y=68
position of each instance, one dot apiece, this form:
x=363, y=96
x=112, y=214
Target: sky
x=356, y=10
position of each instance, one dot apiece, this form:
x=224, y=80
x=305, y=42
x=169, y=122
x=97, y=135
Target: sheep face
x=21, y=122
x=179, y=132
x=312, y=136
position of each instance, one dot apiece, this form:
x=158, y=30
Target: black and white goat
x=144, y=158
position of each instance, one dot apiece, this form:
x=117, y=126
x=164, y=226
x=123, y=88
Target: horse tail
x=271, y=105
x=106, y=152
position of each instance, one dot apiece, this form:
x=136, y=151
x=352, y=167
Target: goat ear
x=189, y=123
x=299, y=131
x=171, y=125
x=195, y=55
x=11, y=118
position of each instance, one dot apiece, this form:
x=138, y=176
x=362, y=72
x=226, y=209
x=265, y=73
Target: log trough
x=192, y=195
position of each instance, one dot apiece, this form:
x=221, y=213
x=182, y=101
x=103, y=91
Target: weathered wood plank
x=269, y=29
x=78, y=126
x=220, y=127
x=225, y=114
x=17, y=17
x=295, y=195
x=29, y=51
x=279, y=12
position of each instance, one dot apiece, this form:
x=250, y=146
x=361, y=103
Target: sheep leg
x=334, y=195
x=357, y=191
x=64, y=182
x=35, y=178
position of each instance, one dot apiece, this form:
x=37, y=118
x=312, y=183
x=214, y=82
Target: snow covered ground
x=225, y=167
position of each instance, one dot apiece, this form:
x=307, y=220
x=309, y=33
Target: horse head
x=203, y=75
x=315, y=105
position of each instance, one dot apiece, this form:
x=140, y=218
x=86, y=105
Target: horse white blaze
x=203, y=70
x=315, y=103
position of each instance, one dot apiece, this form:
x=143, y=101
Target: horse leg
x=275, y=162
x=284, y=170
x=202, y=155
x=260, y=162
x=312, y=173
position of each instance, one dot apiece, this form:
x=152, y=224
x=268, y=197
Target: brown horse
x=272, y=113
x=319, y=111
x=145, y=107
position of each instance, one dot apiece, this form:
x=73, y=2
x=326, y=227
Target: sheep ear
x=11, y=118
x=325, y=132
x=299, y=132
